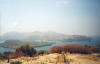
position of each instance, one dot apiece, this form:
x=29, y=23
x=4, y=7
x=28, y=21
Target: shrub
x=25, y=50
x=42, y=52
x=56, y=49
x=96, y=49
x=71, y=48
x=5, y=55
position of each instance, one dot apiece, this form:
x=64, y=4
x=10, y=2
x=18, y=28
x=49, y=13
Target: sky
x=76, y=17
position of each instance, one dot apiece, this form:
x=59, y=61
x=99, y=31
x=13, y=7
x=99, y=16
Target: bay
x=48, y=47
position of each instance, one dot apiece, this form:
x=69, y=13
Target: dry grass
x=64, y=58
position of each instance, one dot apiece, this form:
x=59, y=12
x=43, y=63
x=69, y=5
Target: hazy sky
x=80, y=17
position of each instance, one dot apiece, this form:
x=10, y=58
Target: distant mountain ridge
x=42, y=36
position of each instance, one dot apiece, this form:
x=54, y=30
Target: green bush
x=26, y=49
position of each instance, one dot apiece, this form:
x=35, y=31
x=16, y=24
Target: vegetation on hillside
x=27, y=50
x=71, y=48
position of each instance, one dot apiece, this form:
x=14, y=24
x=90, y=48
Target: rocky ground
x=56, y=59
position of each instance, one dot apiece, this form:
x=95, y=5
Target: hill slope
x=53, y=59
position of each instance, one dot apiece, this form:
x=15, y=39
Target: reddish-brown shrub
x=71, y=48
x=56, y=49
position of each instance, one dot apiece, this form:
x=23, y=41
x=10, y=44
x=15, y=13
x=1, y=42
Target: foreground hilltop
x=67, y=54
x=57, y=59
